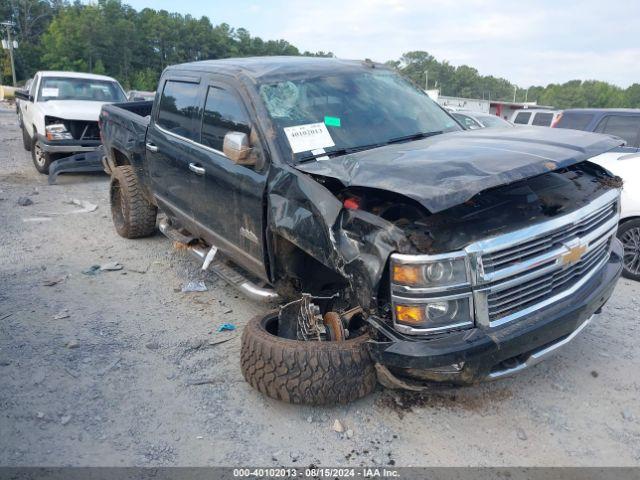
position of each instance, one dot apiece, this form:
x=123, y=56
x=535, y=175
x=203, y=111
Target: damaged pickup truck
x=402, y=248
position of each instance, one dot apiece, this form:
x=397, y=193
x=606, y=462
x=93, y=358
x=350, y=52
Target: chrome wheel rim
x=631, y=242
x=40, y=160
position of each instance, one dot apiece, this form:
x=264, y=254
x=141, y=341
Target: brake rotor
x=335, y=328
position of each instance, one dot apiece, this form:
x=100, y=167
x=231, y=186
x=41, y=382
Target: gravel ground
x=121, y=368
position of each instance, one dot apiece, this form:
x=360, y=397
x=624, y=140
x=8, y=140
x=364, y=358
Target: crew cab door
x=170, y=143
x=228, y=198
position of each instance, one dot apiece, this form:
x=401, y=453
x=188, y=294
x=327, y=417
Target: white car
x=59, y=114
x=627, y=167
x=535, y=117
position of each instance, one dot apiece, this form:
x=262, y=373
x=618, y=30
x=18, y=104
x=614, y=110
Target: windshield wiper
x=414, y=136
x=340, y=151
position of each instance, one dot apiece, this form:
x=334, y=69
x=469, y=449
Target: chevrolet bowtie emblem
x=573, y=255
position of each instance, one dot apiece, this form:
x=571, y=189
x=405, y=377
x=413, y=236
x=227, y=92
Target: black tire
x=314, y=373
x=41, y=159
x=629, y=235
x=26, y=139
x=133, y=215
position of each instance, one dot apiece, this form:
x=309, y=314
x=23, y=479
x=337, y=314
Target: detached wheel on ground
x=313, y=372
x=629, y=235
x=41, y=159
x=133, y=215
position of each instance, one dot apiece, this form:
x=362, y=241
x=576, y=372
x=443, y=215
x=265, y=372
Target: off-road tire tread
x=313, y=373
x=140, y=220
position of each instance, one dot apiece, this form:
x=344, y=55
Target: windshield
x=66, y=88
x=350, y=111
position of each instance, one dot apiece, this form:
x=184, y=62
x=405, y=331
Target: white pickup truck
x=59, y=114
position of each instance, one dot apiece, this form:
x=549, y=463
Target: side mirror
x=236, y=148
x=22, y=95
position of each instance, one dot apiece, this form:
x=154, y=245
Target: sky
x=527, y=42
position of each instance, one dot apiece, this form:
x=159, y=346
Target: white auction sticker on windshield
x=312, y=136
x=49, y=92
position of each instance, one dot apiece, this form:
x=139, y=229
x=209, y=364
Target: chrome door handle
x=196, y=169
x=151, y=147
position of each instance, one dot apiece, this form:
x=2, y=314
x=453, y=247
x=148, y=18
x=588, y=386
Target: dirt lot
x=122, y=368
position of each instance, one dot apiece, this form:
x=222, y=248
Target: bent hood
x=73, y=109
x=446, y=170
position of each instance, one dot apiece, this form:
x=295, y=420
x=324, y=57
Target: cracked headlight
x=57, y=131
x=431, y=293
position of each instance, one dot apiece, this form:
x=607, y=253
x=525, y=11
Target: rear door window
x=522, y=118
x=575, y=120
x=178, y=107
x=542, y=119
x=223, y=112
x=467, y=122
x=626, y=127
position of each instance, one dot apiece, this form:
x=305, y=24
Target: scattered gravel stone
x=522, y=435
x=275, y=455
x=153, y=345
x=627, y=415
x=309, y=419
x=349, y=433
x=337, y=426
x=25, y=201
x=73, y=344
x=65, y=419
x=40, y=415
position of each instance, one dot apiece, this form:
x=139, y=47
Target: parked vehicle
x=535, y=117
x=60, y=114
x=473, y=120
x=402, y=246
x=622, y=161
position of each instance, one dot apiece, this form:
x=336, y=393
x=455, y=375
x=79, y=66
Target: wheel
x=133, y=215
x=315, y=373
x=41, y=159
x=629, y=235
x=26, y=139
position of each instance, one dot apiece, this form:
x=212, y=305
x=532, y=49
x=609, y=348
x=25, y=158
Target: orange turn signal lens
x=407, y=275
x=410, y=314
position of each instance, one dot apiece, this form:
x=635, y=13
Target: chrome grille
x=515, y=273
x=538, y=246
x=507, y=301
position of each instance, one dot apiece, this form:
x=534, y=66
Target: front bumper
x=477, y=354
x=68, y=146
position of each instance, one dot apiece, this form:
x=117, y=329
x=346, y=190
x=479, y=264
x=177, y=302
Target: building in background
x=495, y=107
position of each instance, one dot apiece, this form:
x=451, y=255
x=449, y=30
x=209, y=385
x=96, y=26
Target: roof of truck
x=89, y=76
x=274, y=67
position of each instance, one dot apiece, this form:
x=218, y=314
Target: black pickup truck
x=400, y=247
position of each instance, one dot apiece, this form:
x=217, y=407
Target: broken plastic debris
x=111, y=266
x=209, y=258
x=86, y=207
x=92, y=270
x=198, y=286
x=226, y=327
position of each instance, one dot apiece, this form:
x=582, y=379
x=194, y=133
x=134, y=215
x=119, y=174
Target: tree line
x=112, y=38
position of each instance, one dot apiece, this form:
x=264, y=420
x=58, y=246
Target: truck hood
x=446, y=170
x=73, y=109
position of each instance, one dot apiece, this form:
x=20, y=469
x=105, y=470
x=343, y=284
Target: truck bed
x=123, y=129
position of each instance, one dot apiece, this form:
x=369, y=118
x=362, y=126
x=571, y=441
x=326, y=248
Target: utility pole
x=8, y=26
x=515, y=89
x=426, y=79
